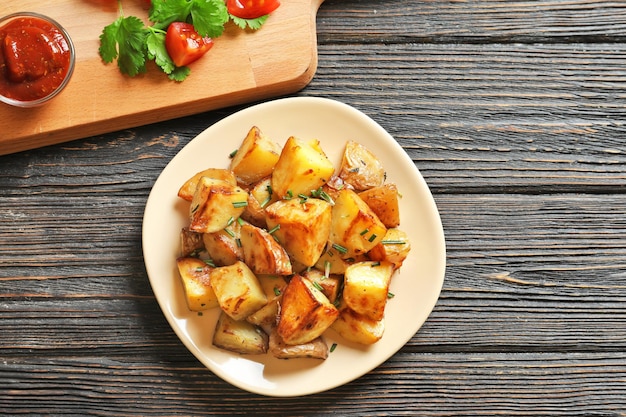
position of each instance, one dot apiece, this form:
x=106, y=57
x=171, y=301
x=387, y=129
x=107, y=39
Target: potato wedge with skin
x=383, y=201
x=190, y=242
x=188, y=189
x=273, y=286
x=215, y=203
x=195, y=275
x=355, y=228
x=239, y=336
x=305, y=312
x=263, y=253
x=358, y=328
x=238, y=290
x=366, y=288
x=394, y=248
x=315, y=349
x=301, y=226
x=255, y=158
x=302, y=167
x=223, y=246
x=330, y=284
x=361, y=168
x=331, y=260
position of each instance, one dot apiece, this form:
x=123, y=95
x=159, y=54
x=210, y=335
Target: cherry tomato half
x=184, y=45
x=251, y=9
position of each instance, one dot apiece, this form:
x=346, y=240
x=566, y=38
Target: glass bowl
x=37, y=61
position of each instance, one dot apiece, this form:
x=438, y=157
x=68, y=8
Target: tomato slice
x=251, y=9
x=184, y=45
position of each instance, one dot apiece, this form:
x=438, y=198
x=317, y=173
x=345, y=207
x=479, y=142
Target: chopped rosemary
x=209, y=262
x=230, y=233
x=193, y=210
x=390, y=295
x=327, y=269
x=239, y=204
x=340, y=248
x=288, y=196
x=240, y=221
x=375, y=264
x=364, y=232
x=372, y=237
x=273, y=229
x=266, y=201
x=238, y=242
x=199, y=269
x=233, y=153
x=392, y=242
x=277, y=291
x=320, y=193
x=303, y=198
x=230, y=221
x=333, y=347
x=318, y=286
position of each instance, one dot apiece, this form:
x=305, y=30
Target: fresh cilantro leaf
x=209, y=17
x=155, y=43
x=164, y=12
x=253, y=24
x=125, y=40
x=179, y=73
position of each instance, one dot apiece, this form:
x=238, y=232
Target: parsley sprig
x=133, y=44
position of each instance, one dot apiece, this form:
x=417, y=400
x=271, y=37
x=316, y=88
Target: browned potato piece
x=383, y=201
x=301, y=226
x=255, y=158
x=195, y=276
x=357, y=328
x=238, y=290
x=215, y=203
x=329, y=284
x=254, y=213
x=190, y=242
x=303, y=166
x=360, y=167
x=224, y=246
x=355, y=228
x=263, y=253
x=273, y=286
x=394, y=248
x=239, y=336
x=188, y=189
x=305, y=312
x=331, y=260
x=366, y=288
x=315, y=349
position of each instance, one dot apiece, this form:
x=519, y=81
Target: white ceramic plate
x=416, y=285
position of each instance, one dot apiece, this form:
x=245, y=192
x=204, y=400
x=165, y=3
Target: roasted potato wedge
x=366, y=288
x=239, y=336
x=305, y=312
x=303, y=166
x=302, y=227
x=263, y=253
x=355, y=228
x=223, y=246
x=358, y=328
x=195, y=275
x=361, y=168
x=383, y=201
x=215, y=203
x=188, y=189
x=394, y=248
x=190, y=242
x=238, y=290
x=315, y=349
x=330, y=284
x=255, y=158
x=273, y=286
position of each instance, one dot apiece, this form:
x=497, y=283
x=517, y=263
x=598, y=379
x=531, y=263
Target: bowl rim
x=34, y=103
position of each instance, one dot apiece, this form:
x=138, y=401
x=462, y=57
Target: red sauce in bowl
x=35, y=58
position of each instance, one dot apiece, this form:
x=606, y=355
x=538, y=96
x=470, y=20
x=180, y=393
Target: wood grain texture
x=513, y=112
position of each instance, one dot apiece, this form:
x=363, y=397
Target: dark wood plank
x=482, y=21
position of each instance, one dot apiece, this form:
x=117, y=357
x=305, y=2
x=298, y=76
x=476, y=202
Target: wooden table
x=514, y=112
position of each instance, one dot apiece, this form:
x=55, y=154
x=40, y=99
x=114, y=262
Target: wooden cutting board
x=241, y=67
